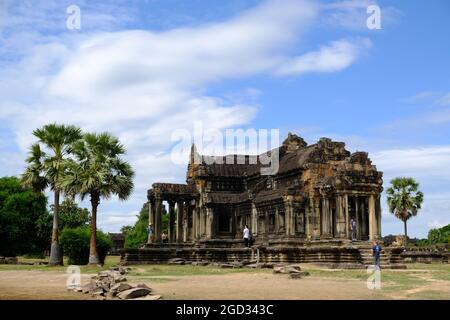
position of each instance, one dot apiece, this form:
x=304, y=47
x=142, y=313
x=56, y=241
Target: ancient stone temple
x=300, y=213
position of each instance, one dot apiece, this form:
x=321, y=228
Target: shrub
x=423, y=243
x=75, y=244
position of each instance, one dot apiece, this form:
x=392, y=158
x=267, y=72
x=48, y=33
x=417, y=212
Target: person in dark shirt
x=376, y=253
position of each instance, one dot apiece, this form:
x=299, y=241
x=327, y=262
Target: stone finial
x=360, y=157
x=294, y=142
x=194, y=157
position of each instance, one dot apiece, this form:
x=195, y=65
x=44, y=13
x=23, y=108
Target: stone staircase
x=390, y=257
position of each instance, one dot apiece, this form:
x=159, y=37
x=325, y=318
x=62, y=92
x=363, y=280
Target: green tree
x=404, y=199
x=22, y=219
x=441, y=235
x=98, y=172
x=138, y=236
x=44, y=170
x=71, y=215
x=126, y=229
x=434, y=236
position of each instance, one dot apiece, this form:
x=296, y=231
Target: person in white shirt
x=246, y=236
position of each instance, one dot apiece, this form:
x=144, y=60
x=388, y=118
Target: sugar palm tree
x=404, y=199
x=97, y=171
x=44, y=169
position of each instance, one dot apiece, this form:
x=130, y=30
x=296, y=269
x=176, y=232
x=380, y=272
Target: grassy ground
x=392, y=280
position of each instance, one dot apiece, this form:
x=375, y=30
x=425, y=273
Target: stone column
x=209, y=223
x=326, y=219
x=364, y=222
x=340, y=217
x=289, y=217
x=277, y=223
x=309, y=209
x=172, y=222
x=199, y=220
x=187, y=232
x=317, y=219
x=180, y=211
x=158, y=220
x=194, y=221
x=378, y=215
x=372, y=219
x=151, y=219
x=347, y=216
x=202, y=221
x=255, y=220
x=358, y=221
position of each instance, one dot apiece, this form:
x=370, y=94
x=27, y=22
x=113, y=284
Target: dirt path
x=38, y=285
x=260, y=286
x=52, y=285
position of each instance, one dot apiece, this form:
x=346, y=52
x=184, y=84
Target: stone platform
x=332, y=253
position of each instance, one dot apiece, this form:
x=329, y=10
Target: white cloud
x=337, y=56
x=429, y=161
x=435, y=224
x=431, y=97
x=421, y=97
x=113, y=221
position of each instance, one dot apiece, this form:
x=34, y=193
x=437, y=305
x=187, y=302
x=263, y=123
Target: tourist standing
x=165, y=238
x=246, y=236
x=353, y=228
x=150, y=233
x=376, y=253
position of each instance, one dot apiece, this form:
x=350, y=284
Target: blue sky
x=142, y=69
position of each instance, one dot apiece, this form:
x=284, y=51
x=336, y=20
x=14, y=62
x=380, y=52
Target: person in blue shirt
x=376, y=253
x=150, y=232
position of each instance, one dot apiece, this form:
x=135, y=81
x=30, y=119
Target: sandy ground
x=37, y=285
x=52, y=285
x=261, y=286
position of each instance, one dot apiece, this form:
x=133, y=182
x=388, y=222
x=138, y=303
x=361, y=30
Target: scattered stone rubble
x=113, y=284
x=15, y=260
x=9, y=260
x=294, y=271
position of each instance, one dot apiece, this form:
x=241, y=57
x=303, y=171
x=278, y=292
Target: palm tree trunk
x=406, y=233
x=93, y=255
x=55, y=250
